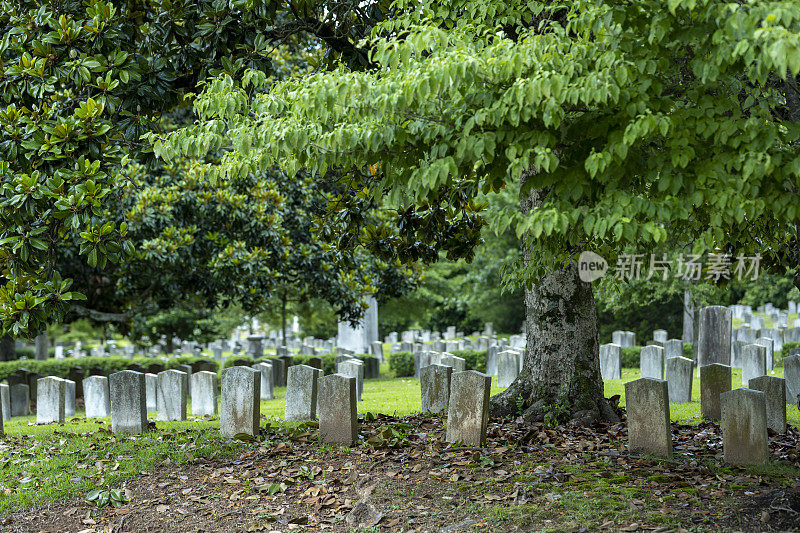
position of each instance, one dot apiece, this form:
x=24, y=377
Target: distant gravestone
x=507, y=368
x=314, y=362
x=774, y=390
x=651, y=362
x=458, y=364
x=278, y=372
x=20, y=400
x=69, y=397
x=714, y=337
x=491, y=359
x=673, y=348
x=791, y=373
x=376, y=350
x=468, y=407
x=769, y=346
x=610, y=362
x=151, y=392
x=173, y=391
x=715, y=379
x=372, y=369
x=5, y=402
x=679, y=379
x=96, y=397
x=267, y=377
x=744, y=427
x=660, y=335
x=301, y=393
x=338, y=418
x=647, y=404
x=204, y=393
x=434, y=383
x=128, y=402
x=50, y=396
x=338, y=359
x=241, y=401
x=421, y=360
x=753, y=362
x=354, y=368
x=736, y=353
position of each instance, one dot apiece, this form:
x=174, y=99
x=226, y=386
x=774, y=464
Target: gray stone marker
x=204, y=393
x=647, y=403
x=173, y=391
x=791, y=373
x=458, y=364
x=372, y=369
x=278, y=372
x=354, y=368
x=128, y=402
x=769, y=344
x=754, y=358
x=660, y=335
x=434, y=381
x=679, y=379
x=96, y=397
x=673, y=348
x=744, y=427
x=151, y=391
x=241, y=401
x=50, y=397
x=421, y=360
x=774, y=390
x=715, y=379
x=267, y=377
x=651, y=362
x=69, y=399
x=338, y=418
x=507, y=368
x=610, y=365
x=736, y=353
x=5, y=401
x=376, y=350
x=491, y=359
x=714, y=337
x=301, y=393
x=468, y=407
x=20, y=400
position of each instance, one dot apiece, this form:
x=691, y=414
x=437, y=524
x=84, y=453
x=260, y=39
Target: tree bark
x=560, y=377
x=283, y=320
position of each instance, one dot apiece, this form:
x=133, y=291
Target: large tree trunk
x=560, y=378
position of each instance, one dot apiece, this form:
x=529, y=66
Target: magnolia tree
x=638, y=124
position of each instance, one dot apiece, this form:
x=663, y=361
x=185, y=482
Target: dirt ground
x=406, y=478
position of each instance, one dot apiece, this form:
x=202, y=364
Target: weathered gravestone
x=128, y=402
x=715, y=379
x=354, y=368
x=338, y=419
x=69, y=397
x=173, y=390
x=468, y=407
x=507, y=368
x=372, y=368
x=753, y=362
x=673, y=348
x=20, y=400
x=50, y=396
x=188, y=370
x=651, y=362
x=96, y=397
x=5, y=401
x=679, y=379
x=744, y=427
x=774, y=390
x=491, y=359
x=204, y=393
x=288, y=361
x=338, y=359
x=610, y=365
x=769, y=346
x=421, y=360
x=791, y=373
x=736, y=353
x=376, y=350
x=241, y=401
x=314, y=362
x=714, y=337
x=647, y=405
x=434, y=381
x=151, y=392
x=660, y=335
x=458, y=364
x=267, y=377
x=278, y=372
x=301, y=393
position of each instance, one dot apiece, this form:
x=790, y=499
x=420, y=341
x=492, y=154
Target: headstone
x=791, y=373
x=753, y=362
x=5, y=401
x=458, y=364
x=376, y=350
x=714, y=338
x=314, y=362
x=736, y=353
x=660, y=335
x=255, y=348
x=715, y=379
x=491, y=359
x=301, y=393
x=359, y=337
x=96, y=397
x=20, y=400
x=267, y=377
x=679, y=379
x=173, y=390
x=651, y=362
x=288, y=361
x=50, y=396
x=338, y=359
x=204, y=393
x=610, y=365
x=769, y=353
x=151, y=392
x=744, y=427
x=338, y=418
x=774, y=390
x=673, y=348
x=354, y=368
x=241, y=401
x=688, y=318
x=41, y=347
x=279, y=371
x=128, y=402
x=507, y=368
x=647, y=404
x=468, y=408
x=372, y=369
x=434, y=381
x=421, y=360
x=69, y=397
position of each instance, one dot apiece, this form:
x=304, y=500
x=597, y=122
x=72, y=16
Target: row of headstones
x=745, y=414
x=505, y=365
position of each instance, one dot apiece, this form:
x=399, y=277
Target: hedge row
x=401, y=364
x=104, y=365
